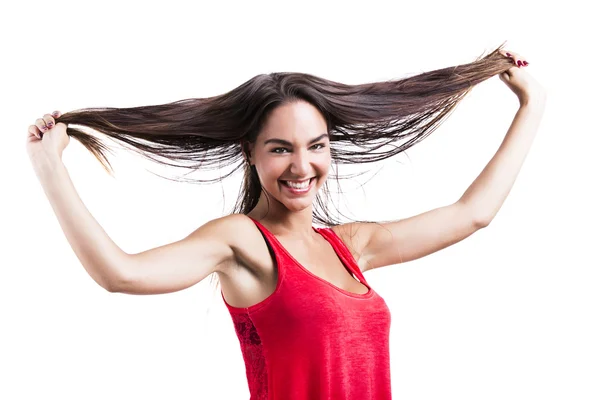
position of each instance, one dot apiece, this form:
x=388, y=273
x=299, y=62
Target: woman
x=309, y=324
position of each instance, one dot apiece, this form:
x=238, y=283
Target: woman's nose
x=300, y=164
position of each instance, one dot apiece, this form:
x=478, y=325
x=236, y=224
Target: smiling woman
x=291, y=176
x=308, y=321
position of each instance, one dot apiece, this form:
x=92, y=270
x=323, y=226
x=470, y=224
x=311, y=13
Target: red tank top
x=311, y=340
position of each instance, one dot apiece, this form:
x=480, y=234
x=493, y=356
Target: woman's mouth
x=296, y=187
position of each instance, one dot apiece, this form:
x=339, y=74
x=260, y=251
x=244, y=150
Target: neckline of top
x=368, y=293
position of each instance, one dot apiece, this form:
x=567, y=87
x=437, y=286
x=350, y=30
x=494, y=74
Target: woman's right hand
x=46, y=140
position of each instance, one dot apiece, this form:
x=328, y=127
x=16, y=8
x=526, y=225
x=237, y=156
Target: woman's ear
x=250, y=152
x=247, y=149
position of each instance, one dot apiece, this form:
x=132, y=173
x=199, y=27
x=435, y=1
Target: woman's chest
x=255, y=276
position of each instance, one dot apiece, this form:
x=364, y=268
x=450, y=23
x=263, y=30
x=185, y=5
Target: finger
x=513, y=56
x=33, y=130
x=41, y=124
x=48, y=120
x=518, y=59
x=56, y=114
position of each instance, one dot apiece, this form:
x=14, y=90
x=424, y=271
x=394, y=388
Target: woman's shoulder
x=237, y=230
x=245, y=239
x=232, y=226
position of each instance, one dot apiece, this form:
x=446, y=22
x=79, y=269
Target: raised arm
x=164, y=269
x=98, y=254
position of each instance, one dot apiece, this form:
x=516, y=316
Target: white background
x=510, y=312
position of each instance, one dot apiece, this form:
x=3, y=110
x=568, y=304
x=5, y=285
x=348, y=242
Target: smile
x=298, y=187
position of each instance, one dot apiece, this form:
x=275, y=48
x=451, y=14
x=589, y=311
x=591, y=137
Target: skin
x=288, y=214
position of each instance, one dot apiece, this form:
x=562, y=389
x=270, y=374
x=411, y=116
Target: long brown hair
x=366, y=123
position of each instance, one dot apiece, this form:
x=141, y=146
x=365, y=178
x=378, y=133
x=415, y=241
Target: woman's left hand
x=526, y=88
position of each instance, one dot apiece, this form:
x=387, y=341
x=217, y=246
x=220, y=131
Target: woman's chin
x=298, y=204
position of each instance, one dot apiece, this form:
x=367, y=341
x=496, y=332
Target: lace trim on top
x=252, y=352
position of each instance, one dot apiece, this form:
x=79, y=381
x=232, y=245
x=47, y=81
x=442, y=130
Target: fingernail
x=50, y=124
x=508, y=54
x=519, y=63
x=55, y=113
x=526, y=63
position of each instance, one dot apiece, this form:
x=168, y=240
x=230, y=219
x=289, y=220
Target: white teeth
x=294, y=185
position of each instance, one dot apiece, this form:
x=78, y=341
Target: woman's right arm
x=164, y=269
x=98, y=254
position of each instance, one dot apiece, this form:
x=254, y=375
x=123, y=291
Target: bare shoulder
x=221, y=232
x=356, y=236
x=236, y=230
x=240, y=233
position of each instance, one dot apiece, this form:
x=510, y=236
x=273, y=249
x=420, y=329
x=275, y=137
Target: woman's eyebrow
x=281, y=141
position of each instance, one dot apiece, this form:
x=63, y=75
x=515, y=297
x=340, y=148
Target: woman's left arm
x=487, y=193
x=400, y=241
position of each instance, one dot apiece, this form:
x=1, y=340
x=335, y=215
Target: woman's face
x=292, y=146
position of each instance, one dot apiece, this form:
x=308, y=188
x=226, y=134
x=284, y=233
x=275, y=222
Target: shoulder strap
x=272, y=242
x=344, y=252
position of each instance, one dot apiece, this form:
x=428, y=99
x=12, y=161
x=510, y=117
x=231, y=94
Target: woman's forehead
x=294, y=122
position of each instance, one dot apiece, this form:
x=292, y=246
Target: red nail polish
x=519, y=63
x=525, y=63
x=508, y=54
